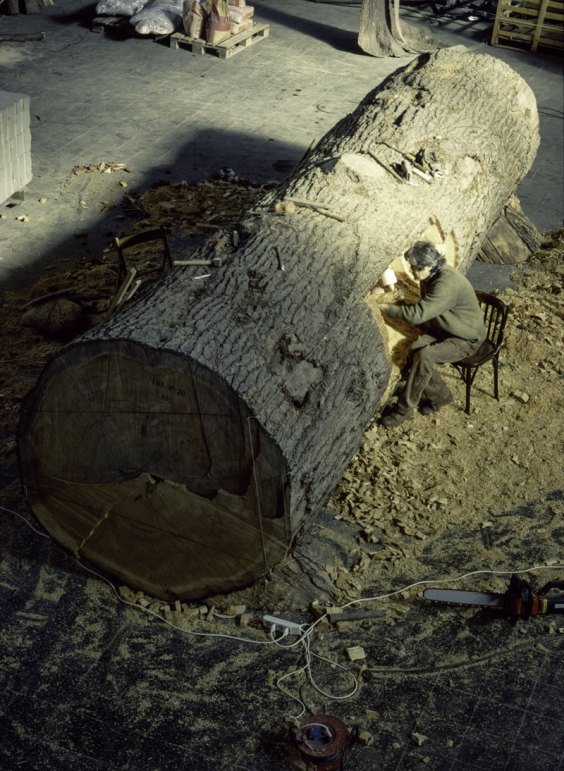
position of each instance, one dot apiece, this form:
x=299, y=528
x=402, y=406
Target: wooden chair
x=131, y=277
x=495, y=318
x=164, y=262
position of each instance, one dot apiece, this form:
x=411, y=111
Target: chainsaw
x=519, y=601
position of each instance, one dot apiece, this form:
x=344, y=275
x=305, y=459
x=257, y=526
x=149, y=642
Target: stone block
x=15, y=144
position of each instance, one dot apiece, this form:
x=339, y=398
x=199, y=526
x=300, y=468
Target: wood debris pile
x=104, y=167
x=191, y=209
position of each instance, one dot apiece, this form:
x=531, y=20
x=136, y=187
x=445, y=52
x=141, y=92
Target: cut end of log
x=165, y=481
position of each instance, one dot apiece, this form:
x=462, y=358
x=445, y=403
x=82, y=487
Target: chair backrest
x=495, y=317
x=150, y=266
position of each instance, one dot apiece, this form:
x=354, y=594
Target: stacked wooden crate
x=529, y=23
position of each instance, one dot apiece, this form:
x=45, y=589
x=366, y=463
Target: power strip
x=280, y=624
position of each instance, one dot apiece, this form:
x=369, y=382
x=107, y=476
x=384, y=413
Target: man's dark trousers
x=423, y=381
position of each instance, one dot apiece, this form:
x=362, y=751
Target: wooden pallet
x=227, y=48
x=529, y=23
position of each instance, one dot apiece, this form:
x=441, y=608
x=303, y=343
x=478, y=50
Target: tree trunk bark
x=382, y=34
x=181, y=445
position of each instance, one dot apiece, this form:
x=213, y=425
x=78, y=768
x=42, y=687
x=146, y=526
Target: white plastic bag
x=119, y=7
x=158, y=17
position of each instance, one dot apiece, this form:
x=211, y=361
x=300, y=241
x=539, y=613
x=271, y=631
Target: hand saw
x=519, y=601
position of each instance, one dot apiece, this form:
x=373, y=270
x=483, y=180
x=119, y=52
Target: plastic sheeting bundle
x=158, y=17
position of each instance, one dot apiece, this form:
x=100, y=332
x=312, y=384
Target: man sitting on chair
x=451, y=326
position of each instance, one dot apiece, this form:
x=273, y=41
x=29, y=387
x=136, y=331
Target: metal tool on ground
x=324, y=741
x=215, y=262
x=519, y=601
x=355, y=615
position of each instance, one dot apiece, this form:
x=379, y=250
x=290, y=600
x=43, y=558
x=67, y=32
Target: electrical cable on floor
x=309, y=655
x=306, y=631
x=165, y=621
x=304, y=637
x=303, y=640
x=28, y=523
x=442, y=581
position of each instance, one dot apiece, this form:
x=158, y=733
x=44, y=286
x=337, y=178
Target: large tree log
x=181, y=445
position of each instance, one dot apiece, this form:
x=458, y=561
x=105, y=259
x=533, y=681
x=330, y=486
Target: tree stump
x=181, y=445
x=382, y=34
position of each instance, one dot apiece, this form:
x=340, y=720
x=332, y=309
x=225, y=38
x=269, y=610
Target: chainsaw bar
x=519, y=601
x=460, y=597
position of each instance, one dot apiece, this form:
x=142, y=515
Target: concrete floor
x=174, y=115
x=91, y=684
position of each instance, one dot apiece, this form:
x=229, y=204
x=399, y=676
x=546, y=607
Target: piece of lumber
x=22, y=37
x=317, y=207
x=48, y=296
x=355, y=615
x=512, y=238
x=183, y=445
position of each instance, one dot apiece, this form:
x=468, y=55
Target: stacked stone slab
x=15, y=144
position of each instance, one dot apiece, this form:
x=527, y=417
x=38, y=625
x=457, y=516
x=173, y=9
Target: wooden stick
x=317, y=207
x=355, y=615
x=49, y=296
x=191, y=262
x=120, y=295
x=386, y=167
x=22, y=37
x=423, y=174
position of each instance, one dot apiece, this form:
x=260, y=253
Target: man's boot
x=429, y=407
x=394, y=418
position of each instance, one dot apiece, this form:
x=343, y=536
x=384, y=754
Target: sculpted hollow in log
x=182, y=444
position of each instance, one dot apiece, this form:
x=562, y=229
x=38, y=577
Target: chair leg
x=468, y=386
x=467, y=377
x=496, y=377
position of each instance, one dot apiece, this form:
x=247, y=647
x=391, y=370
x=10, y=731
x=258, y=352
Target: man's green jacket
x=448, y=307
